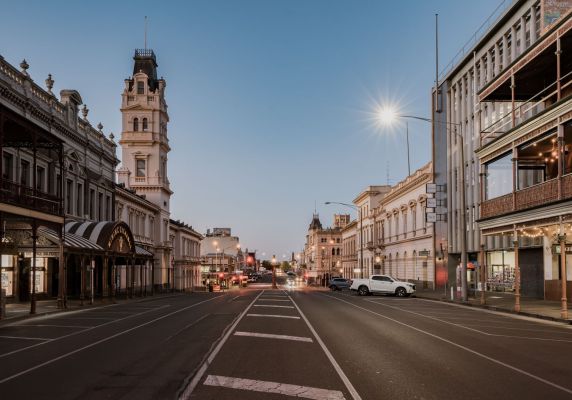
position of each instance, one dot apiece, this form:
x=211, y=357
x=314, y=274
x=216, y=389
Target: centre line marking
x=271, y=305
x=273, y=387
x=460, y=346
x=272, y=316
x=272, y=300
x=353, y=392
x=271, y=336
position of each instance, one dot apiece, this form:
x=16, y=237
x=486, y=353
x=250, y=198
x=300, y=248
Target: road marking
x=59, y=326
x=70, y=334
x=53, y=360
x=271, y=336
x=187, y=327
x=272, y=316
x=460, y=346
x=188, y=389
x=272, y=300
x=24, y=338
x=274, y=387
x=271, y=305
x=353, y=392
x=468, y=328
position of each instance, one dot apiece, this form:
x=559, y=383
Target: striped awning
x=70, y=240
x=140, y=251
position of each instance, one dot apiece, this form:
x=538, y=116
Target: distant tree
x=285, y=266
x=267, y=264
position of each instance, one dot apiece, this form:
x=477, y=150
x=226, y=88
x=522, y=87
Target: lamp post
x=387, y=116
x=274, y=272
x=360, y=231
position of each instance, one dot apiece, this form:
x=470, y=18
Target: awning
x=70, y=240
x=140, y=251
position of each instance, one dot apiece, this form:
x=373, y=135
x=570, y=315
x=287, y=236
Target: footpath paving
x=504, y=302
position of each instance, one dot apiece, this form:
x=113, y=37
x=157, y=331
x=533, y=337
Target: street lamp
x=388, y=116
x=274, y=272
x=360, y=231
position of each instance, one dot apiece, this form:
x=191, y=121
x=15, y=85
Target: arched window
x=135, y=124
x=145, y=126
x=333, y=251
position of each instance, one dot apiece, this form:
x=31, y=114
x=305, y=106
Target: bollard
x=3, y=304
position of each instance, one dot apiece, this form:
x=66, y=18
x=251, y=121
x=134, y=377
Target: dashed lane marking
x=273, y=300
x=59, y=326
x=271, y=305
x=271, y=336
x=272, y=316
x=273, y=387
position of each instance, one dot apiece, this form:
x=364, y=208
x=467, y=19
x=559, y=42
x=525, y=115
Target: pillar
x=82, y=289
x=563, y=299
x=516, y=274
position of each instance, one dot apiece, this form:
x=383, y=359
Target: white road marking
x=188, y=390
x=271, y=336
x=274, y=387
x=70, y=334
x=468, y=328
x=355, y=395
x=272, y=316
x=24, y=338
x=271, y=305
x=187, y=326
x=59, y=326
x=460, y=346
x=53, y=360
x=272, y=300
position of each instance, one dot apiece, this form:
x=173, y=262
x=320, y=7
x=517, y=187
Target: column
x=82, y=272
x=532, y=24
x=504, y=51
x=522, y=34
x=513, y=46
x=516, y=274
x=564, y=300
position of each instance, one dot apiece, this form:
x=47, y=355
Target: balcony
x=23, y=196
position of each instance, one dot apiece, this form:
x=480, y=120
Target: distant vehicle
x=339, y=284
x=384, y=284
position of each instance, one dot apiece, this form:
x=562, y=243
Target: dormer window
x=145, y=125
x=135, y=124
x=140, y=172
x=140, y=87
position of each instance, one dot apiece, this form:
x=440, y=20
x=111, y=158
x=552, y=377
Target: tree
x=267, y=265
x=285, y=266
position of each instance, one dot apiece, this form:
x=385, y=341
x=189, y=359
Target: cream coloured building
x=407, y=238
x=349, y=252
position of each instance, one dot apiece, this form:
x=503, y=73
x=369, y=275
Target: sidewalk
x=504, y=302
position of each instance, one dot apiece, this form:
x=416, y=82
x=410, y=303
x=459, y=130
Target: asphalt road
x=259, y=343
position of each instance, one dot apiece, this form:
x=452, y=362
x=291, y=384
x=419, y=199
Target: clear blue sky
x=270, y=101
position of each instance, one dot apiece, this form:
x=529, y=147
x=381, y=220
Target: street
x=259, y=343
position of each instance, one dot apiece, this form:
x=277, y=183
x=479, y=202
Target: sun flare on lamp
x=387, y=115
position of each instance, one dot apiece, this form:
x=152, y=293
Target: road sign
x=431, y=202
x=431, y=188
x=431, y=217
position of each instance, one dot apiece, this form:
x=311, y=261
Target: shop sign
x=424, y=253
x=120, y=240
x=41, y=254
x=556, y=249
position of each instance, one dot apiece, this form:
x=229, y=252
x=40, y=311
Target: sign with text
x=431, y=217
x=431, y=202
x=431, y=188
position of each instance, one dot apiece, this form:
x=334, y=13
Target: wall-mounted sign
x=556, y=249
x=431, y=188
x=431, y=202
x=424, y=253
x=431, y=217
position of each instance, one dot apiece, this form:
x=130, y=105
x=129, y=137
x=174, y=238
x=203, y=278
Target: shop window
x=498, y=177
x=537, y=161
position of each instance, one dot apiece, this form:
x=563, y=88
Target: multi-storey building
x=460, y=118
x=323, y=249
x=368, y=238
x=186, y=243
x=349, y=250
x=220, y=252
x=525, y=158
x=406, y=237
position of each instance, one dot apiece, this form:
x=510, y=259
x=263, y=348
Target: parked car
x=384, y=284
x=339, y=283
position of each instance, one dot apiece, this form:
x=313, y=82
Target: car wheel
x=400, y=292
x=333, y=288
x=363, y=291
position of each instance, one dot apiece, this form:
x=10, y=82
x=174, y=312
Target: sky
x=271, y=102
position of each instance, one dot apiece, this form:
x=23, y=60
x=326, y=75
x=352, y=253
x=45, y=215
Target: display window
x=500, y=271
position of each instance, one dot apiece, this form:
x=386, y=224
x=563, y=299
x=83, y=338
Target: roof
x=70, y=240
x=112, y=236
x=315, y=224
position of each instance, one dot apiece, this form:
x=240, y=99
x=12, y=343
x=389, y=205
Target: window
x=145, y=125
x=40, y=179
x=91, y=203
x=537, y=161
x=135, y=124
x=79, y=200
x=24, y=173
x=140, y=87
x=100, y=206
x=140, y=168
x=69, y=190
x=108, y=207
x=498, y=177
x=8, y=167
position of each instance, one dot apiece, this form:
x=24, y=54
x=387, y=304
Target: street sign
x=431, y=188
x=431, y=202
x=431, y=217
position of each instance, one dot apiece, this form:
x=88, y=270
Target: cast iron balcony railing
x=27, y=197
